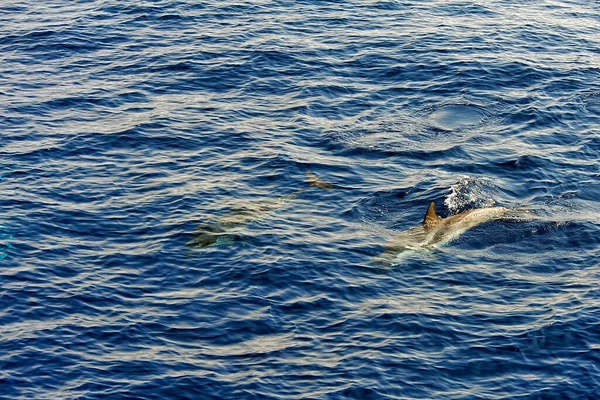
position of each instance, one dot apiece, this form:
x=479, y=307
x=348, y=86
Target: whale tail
x=315, y=181
x=208, y=236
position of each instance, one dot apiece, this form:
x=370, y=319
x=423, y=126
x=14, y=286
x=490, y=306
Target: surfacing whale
x=435, y=231
x=220, y=232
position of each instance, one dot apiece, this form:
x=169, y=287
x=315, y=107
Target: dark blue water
x=131, y=130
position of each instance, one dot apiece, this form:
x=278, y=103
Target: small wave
x=453, y=117
x=592, y=103
x=433, y=129
x=5, y=241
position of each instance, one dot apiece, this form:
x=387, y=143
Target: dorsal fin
x=431, y=217
x=313, y=180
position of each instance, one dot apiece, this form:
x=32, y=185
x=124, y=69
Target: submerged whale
x=221, y=232
x=436, y=231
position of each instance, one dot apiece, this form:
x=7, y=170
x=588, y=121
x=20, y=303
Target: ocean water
x=159, y=238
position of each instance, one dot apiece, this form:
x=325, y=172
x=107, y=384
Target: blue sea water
x=128, y=129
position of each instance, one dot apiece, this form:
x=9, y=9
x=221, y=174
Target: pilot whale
x=435, y=231
x=222, y=231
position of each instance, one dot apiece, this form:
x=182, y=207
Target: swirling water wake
x=128, y=128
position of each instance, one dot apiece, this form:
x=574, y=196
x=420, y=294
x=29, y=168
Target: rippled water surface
x=194, y=194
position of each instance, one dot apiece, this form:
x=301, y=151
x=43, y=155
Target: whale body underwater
x=222, y=231
x=435, y=231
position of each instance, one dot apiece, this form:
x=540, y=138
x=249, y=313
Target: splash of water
x=470, y=192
